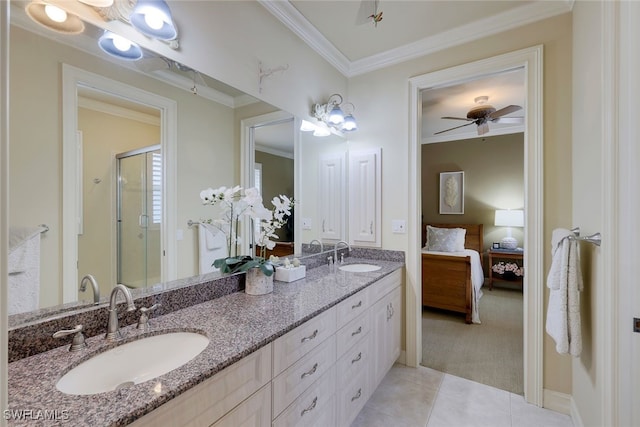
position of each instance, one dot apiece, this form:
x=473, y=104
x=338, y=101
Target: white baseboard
x=563, y=403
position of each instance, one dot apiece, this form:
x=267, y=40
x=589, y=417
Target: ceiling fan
x=484, y=113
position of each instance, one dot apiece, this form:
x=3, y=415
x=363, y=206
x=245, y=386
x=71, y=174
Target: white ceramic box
x=291, y=274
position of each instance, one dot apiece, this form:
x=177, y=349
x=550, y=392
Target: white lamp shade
x=509, y=218
x=153, y=18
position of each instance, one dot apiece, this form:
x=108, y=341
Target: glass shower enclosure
x=139, y=216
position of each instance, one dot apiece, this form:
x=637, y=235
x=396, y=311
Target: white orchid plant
x=236, y=204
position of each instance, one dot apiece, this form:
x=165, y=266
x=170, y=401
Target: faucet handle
x=143, y=322
x=78, y=342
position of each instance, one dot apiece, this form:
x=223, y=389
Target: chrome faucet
x=319, y=242
x=94, y=284
x=335, y=251
x=113, y=329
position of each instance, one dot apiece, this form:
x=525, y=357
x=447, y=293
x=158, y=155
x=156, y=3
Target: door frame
x=531, y=59
x=71, y=78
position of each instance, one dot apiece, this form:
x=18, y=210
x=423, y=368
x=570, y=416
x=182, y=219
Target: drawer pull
x=311, y=372
x=311, y=407
x=357, y=331
x=358, y=358
x=357, y=396
x=359, y=304
x=310, y=337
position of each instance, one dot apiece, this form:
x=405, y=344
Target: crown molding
x=296, y=22
x=472, y=135
x=274, y=151
x=115, y=110
x=516, y=17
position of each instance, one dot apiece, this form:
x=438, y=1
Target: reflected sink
x=132, y=363
x=360, y=268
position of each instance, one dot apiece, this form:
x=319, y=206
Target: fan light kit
x=483, y=113
x=150, y=17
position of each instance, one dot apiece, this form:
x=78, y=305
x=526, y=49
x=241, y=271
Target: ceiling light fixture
x=332, y=114
x=153, y=18
x=119, y=47
x=54, y=18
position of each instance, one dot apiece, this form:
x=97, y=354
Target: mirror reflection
x=180, y=131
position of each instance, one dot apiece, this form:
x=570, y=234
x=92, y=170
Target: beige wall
x=382, y=99
x=103, y=136
x=277, y=179
x=494, y=179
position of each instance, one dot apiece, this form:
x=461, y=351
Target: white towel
x=212, y=244
x=565, y=283
x=23, y=292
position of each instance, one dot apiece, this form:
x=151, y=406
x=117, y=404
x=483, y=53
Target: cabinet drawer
x=350, y=399
x=352, y=333
x=211, y=399
x=292, y=382
x=253, y=412
x=296, y=343
x=355, y=360
x=352, y=307
x=385, y=285
x=314, y=407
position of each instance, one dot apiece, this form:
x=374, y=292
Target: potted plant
x=236, y=204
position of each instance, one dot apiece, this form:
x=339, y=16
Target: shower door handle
x=143, y=221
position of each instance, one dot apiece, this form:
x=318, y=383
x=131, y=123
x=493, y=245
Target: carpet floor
x=489, y=353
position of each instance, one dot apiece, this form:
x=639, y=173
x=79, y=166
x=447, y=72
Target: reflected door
x=139, y=216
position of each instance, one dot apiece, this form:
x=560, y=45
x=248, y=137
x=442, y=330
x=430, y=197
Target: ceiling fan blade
x=366, y=9
x=457, y=127
x=503, y=111
x=483, y=128
x=508, y=120
x=457, y=118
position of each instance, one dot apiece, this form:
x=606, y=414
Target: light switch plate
x=179, y=234
x=399, y=226
x=306, y=223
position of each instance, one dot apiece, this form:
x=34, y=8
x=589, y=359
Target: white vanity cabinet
x=365, y=197
x=331, y=201
x=387, y=316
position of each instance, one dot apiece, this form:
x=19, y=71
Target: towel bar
x=45, y=228
x=191, y=223
x=595, y=238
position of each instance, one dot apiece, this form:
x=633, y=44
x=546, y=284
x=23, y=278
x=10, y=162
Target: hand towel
x=210, y=247
x=23, y=293
x=565, y=282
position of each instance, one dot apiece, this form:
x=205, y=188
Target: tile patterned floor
x=423, y=397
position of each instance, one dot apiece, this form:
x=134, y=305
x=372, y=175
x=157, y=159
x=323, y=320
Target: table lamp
x=509, y=218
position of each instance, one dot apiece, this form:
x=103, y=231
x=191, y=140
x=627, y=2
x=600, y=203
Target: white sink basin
x=133, y=363
x=360, y=268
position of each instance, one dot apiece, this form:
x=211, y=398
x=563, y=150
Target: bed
x=453, y=280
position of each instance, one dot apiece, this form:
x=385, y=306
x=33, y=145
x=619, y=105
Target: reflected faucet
x=319, y=242
x=94, y=284
x=113, y=329
x=335, y=251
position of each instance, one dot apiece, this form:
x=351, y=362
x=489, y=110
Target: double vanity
x=310, y=353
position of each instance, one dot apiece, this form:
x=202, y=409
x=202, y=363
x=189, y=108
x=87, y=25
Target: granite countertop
x=236, y=325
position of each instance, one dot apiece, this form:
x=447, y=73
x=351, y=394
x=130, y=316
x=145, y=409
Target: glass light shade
x=97, y=3
x=509, y=218
x=119, y=47
x=306, y=126
x=54, y=18
x=336, y=116
x=349, y=123
x=153, y=18
x=321, y=131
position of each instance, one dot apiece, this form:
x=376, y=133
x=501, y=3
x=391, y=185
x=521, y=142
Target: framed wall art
x=452, y=193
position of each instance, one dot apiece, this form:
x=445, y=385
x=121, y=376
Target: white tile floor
x=423, y=397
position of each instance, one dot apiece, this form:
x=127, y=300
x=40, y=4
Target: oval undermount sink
x=360, y=268
x=132, y=363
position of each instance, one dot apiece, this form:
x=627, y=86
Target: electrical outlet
x=306, y=223
x=399, y=226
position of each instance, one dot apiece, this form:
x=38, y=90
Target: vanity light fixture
x=319, y=129
x=118, y=46
x=54, y=18
x=153, y=18
x=97, y=3
x=333, y=115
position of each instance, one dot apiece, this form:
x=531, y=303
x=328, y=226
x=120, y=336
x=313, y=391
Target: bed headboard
x=473, y=238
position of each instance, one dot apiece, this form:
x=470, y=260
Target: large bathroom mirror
x=192, y=134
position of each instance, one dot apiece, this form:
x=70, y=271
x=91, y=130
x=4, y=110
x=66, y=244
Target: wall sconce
x=119, y=47
x=54, y=18
x=332, y=114
x=153, y=18
x=509, y=218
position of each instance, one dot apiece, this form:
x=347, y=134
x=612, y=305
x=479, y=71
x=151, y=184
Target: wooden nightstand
x=503, y=255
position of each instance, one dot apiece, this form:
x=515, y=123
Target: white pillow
x=445, y=239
